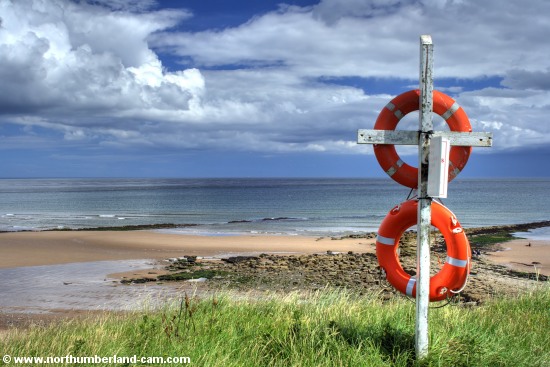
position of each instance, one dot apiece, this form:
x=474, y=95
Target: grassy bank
x=321, y=329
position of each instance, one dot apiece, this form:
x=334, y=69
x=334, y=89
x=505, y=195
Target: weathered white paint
x=424, y=202
x=401, y=137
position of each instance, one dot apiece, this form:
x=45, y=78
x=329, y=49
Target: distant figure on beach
x=529, y=244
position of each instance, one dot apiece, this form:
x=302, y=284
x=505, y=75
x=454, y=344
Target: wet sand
x=57, y=247
x=518, y=255
x=63, y=272
x=82, y=286
x=60, y=272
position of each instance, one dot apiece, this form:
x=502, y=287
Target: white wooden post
x=424, y=201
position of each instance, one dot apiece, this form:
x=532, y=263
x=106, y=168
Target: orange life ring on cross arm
x=454, y=273
x=393, y=112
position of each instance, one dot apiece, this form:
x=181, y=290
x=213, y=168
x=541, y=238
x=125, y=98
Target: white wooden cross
x=422, y=139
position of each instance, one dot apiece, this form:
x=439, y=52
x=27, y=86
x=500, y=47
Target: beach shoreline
x=54, y=249
x=21, y=249
x=531, y=256
x=61, y=247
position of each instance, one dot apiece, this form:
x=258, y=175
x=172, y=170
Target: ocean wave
x=268, y=219
x=4, y=228
x=537, y=234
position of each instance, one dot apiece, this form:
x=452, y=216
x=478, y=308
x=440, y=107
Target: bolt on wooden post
x=422, y=139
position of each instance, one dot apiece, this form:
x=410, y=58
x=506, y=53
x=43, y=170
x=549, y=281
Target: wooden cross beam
x=401, y=137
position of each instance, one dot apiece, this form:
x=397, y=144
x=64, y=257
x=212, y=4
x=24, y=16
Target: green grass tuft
x=492, y=238
x=325, y=328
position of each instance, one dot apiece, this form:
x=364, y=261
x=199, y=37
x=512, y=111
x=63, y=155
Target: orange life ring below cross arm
x=454, y=273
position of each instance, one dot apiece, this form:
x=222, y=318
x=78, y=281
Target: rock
x=358, y=272
x=137, y=280
x=239, y=259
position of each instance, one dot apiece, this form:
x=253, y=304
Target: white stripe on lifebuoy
x=410, y=286
x=385, y=240
x=450, y=111
x=394, y=168
x=457, y=262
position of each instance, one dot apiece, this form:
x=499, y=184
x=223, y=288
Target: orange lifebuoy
x=389, y=117
x=455, y=271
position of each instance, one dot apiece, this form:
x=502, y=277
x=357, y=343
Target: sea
x=218, y=207
x=276, y=206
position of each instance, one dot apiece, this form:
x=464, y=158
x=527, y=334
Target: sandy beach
x=524, y=255
x=76, y=270
x=58, y=247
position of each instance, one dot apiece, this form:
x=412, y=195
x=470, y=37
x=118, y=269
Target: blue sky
x=199, y=88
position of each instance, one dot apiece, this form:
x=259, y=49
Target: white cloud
x=68, y=57
x=525, y=79
x=133, y=5
x=380, y=38
x=94, y=72
x=517, y=118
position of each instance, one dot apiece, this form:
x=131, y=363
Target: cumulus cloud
x=378, y=38
x=93, y=71
x=515, y=116
x=62, y=59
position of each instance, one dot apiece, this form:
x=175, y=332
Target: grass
x=328, y=328
x=492, y=238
